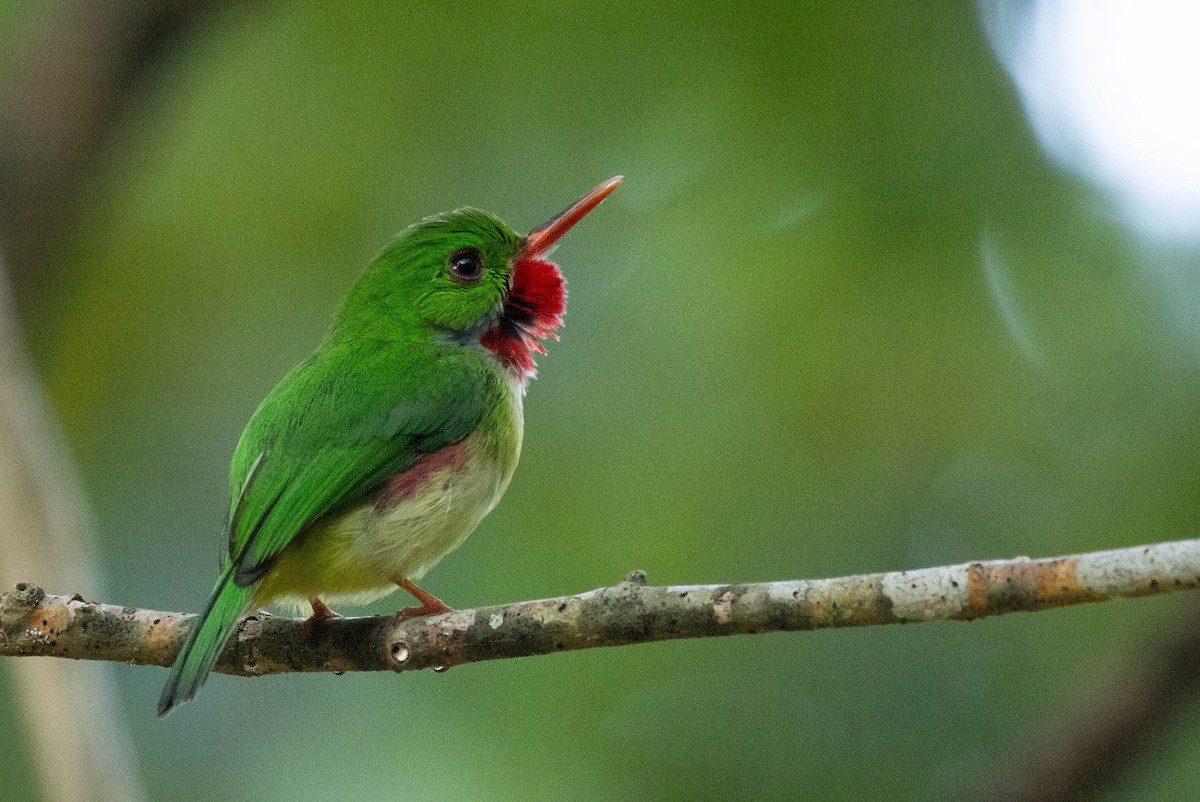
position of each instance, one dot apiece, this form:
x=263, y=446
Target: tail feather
x=205, y=642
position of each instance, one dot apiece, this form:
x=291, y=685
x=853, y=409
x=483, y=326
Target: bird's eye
x=466, y=264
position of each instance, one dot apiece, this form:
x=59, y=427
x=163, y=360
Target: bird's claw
x=320, y=613
x=424, y=610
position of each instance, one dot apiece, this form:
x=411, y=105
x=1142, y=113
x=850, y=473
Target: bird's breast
x=427, y=511
x=416, y=517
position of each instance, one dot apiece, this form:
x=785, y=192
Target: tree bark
x=35, y=623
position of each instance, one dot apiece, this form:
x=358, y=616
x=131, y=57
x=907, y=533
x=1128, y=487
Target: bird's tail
x=205, y=642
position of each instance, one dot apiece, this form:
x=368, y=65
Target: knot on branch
x=26, y=595
x=636, y=577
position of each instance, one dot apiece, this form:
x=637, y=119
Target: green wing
x=335, y=429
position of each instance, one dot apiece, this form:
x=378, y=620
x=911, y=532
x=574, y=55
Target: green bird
x=379, y=454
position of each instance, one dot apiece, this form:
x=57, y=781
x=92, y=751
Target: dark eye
x=466, y=264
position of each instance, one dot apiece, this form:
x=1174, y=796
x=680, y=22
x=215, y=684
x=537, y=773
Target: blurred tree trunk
x=88, y=62
x=78, y=741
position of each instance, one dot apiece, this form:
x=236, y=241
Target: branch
x=35, y=623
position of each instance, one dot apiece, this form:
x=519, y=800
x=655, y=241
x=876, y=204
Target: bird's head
x=468, y=277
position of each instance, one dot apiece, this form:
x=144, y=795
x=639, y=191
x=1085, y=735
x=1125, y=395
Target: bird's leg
x=430, y=604
x=320, y=613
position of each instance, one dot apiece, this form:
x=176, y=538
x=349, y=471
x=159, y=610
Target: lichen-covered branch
x=35, y=623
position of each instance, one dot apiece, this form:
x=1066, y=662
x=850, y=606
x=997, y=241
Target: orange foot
x=320, y=613
x=430, y=604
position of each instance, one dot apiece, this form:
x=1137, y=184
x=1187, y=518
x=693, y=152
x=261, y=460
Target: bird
x=380, y=452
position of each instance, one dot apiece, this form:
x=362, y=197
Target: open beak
x=540, y=239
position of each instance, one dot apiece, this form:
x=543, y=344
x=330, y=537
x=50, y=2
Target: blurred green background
x=845, y=315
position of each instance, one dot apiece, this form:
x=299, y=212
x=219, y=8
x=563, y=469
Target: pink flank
x=407, y=484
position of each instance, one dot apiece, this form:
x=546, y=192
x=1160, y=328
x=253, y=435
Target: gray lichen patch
x=927, y=594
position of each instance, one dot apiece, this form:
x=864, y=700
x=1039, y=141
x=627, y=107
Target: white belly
x=407, y=539
x=358, y=556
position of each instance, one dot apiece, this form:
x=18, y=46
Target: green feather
x=354, y=416
x=402, y=374
x=204, y=643
x=391, y=382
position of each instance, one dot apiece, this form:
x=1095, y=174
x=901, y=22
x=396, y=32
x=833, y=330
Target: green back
x=398, y=376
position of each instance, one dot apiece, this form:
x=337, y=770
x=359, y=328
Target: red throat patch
x=532, y=312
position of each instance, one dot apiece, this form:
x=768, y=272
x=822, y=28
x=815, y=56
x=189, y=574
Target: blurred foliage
x=842, y=317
